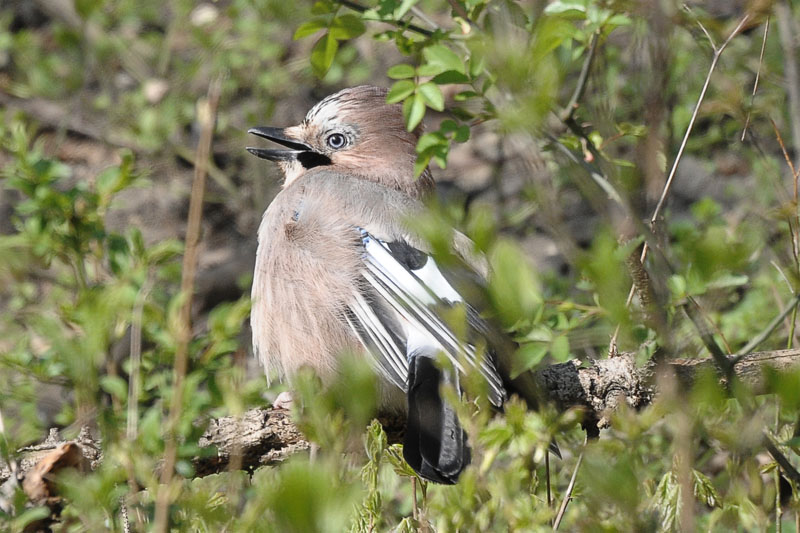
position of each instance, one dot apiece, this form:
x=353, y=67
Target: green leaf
x=323, y=7
x=477, y=62
x=727, y=280
x=571, y=10
x=514, y=287
x=106, y=182
x=427, y=69
x=347, y=27
x=115, y=386
x=465, y=95
x=433, y=96
x=404, y=7
x=527, y=357
x=400, y=72
x=421, y=163
x=322, y=54
x=450, y=76
x=429, y=140
x=704, y=489
x=400, y=91
x=415, y=112
x=310, y=28
x=442, y=57
x=559, y=349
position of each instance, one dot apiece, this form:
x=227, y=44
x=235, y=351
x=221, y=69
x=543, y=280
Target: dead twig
x=671, y=176
x=568, y=495
x=207, y=110
x=758, y=76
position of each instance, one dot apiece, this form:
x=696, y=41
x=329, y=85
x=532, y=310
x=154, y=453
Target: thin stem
x=598, y=178
x=583, y=78
x=778, y=508
x=788, y=469
x=547, y=478
x=362, y=9
x=207, y=118
x=758, y=76
x=761, y=337
x=417, y=12
x=690, y=127
x=687, y=133
x=568, y=495
x=136, y=359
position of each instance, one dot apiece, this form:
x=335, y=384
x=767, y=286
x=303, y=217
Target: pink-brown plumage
x=338, y=270
x=308, y=257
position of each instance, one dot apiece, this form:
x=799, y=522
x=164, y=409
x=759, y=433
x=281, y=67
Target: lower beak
x=278, y=135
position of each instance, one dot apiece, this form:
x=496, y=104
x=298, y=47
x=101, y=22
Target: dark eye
x=336, y=140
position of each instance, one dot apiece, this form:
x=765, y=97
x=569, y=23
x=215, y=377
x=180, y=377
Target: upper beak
x=278, y=135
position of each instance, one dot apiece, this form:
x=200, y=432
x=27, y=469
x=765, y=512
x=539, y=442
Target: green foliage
x=73, y=291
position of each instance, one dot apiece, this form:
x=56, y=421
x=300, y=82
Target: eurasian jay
x=337, y=269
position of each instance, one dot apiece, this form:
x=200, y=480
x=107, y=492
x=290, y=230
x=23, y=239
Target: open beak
x=277, y=135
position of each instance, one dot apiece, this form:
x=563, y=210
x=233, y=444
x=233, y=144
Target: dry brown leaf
x=39, y=481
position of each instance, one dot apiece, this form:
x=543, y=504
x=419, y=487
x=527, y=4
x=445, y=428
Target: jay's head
x=353, y=131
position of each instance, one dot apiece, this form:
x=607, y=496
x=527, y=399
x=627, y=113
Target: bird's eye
x=336, y=140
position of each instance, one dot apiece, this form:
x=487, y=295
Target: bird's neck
x=399, y=178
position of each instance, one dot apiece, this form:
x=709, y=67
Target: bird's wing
x=396, y=318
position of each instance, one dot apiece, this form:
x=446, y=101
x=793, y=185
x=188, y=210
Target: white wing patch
x=405, y=298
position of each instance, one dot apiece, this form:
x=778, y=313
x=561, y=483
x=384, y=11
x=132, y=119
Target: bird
x=338, y=270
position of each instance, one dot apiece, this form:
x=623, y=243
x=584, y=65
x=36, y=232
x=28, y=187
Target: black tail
x=435, y=444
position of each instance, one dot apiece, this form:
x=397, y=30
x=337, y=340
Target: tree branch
x=268, y=436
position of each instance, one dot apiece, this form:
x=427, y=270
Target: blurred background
x=101, y=113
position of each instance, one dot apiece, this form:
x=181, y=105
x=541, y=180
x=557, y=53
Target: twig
x=721, y=360
x=761, y=337
x=690, y=127
x=784, y=17
x=570, y=488
x=788, y=469
x=710, y=322
x=420, y=14
x=362, y=9
x=778, y=506
x=206, y=117
x=598, y=178
x=785, y=155
x=683, y=465
x=612, y=193
x=568, y=111
x=783, y=275
x=758, y=76
x=657, y=211
x=136, y=359
x=547, y=478
x=461, y=12
x=792, y=229
x=214, y=172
